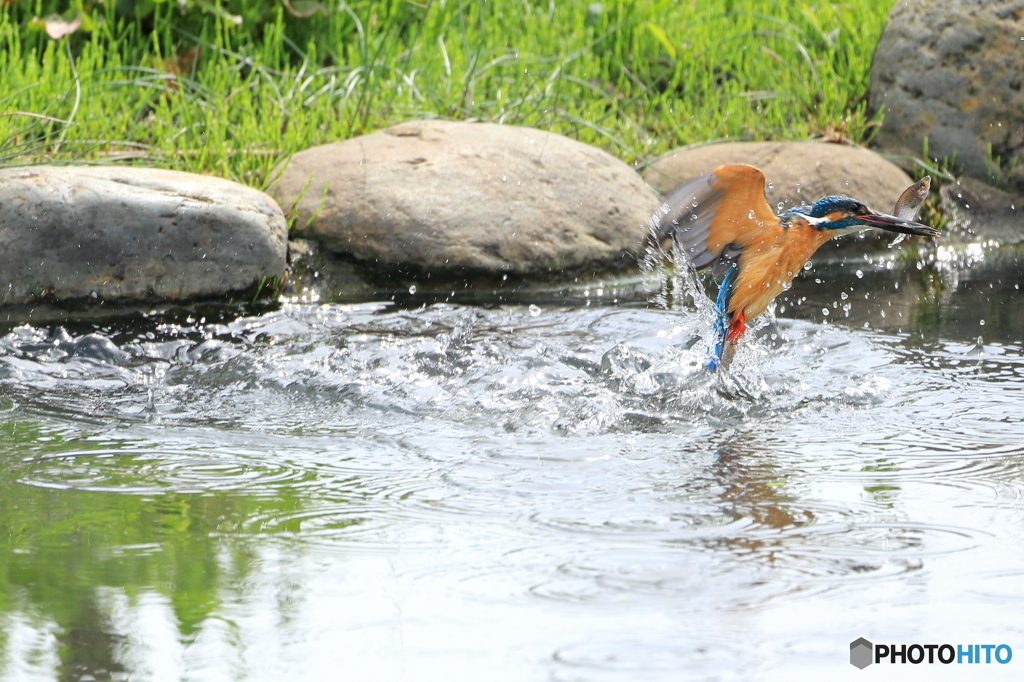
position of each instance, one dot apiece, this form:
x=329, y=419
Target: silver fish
x=910, y=202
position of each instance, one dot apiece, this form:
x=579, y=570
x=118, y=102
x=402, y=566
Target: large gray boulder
x=797, y=172
x=952, y=71
x=128, y=234
x=985, y=213
x=450, y=199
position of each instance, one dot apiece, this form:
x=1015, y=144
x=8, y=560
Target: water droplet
x=771, y=185
x=504, y=278
x=844, y=295
x=534, y=310
x=412, y=289
x=860, y=274
x=824, y=311
x=751, y=214
x=779, y=206
x=982, y=323
x=694, y=204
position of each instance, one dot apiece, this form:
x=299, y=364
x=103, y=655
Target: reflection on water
x=519, y=490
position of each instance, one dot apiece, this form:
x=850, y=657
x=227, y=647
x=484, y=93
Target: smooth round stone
x=952, y=71
x=796, y=172
x=460, y=200
x=133, y=234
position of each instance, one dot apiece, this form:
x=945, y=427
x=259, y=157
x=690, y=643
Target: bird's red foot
x=737, y=327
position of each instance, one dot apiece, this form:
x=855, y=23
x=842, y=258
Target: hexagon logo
x=861, y=653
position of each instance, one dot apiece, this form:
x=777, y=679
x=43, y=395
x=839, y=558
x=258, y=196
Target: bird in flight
x=723, y=221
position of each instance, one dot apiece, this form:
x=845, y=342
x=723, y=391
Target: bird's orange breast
x=768, y=266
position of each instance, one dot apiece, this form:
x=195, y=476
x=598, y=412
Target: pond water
x=518, y=488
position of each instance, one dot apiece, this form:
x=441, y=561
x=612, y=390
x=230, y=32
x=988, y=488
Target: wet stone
x=984, y=212
x=952, y=72
x=463, y=200
x=315, y=274
x=132, y=234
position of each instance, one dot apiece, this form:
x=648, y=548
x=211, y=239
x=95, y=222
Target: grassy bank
x=199, y=92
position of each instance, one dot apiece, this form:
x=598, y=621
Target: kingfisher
x=723, y=221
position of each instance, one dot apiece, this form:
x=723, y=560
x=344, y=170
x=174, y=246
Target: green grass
x=199, y=93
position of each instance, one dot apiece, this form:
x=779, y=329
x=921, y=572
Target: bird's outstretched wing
x=714, y=220
x=725, y=208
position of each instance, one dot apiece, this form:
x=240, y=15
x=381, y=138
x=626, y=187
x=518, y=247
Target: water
x=522, y=490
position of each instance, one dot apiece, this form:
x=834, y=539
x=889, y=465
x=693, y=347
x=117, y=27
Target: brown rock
x=797, y=172
x=451, y=199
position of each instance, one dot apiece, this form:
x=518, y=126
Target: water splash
x=564, y=473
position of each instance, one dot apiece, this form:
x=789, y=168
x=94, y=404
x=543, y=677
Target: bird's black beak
x=894, y=224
